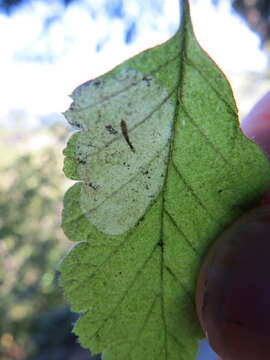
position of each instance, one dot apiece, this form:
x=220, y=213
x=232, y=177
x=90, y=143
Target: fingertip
x=256, y=125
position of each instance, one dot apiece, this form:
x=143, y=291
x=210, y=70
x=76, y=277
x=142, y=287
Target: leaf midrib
x=182, y=53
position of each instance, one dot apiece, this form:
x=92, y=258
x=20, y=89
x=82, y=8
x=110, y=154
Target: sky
x=40, y=66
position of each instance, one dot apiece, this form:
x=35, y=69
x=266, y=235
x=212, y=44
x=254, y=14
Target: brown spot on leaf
x=125, y=134
x=111, y=130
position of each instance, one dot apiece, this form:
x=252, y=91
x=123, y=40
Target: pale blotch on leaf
x=126, y=122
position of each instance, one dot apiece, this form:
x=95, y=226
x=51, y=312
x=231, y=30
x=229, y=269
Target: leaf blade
x=136, y=287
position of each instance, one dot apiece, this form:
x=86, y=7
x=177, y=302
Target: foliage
x=257, y=15
x=256, y=12
x=164, y=169
x=31, y=240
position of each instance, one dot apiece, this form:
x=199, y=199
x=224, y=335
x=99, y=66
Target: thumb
x=256, y=125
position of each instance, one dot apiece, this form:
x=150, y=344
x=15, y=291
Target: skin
x=235, y=319
x=256, y=125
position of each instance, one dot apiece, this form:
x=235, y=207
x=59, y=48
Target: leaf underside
x=163, y=169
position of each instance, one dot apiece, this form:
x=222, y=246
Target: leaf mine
x=118, y=115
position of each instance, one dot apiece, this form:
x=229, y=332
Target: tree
x=31, y=240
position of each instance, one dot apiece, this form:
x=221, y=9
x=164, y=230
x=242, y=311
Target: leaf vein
x=205, y=137
x=188, y=61
x=132, y=128
x=180, y=282
x=115, y=192
x=192, y=192
x=129, y=287
x=178, y=228
x=126, y=88
x=144, y=323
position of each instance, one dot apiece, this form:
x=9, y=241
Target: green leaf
x=164, y=168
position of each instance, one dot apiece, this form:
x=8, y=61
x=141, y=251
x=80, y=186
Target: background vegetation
x=255, y=12
x=32, y=306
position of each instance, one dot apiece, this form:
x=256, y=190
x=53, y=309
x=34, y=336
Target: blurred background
x=47, y=49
